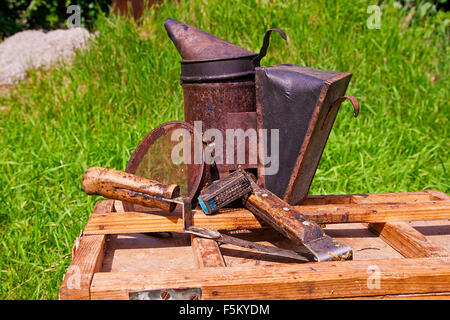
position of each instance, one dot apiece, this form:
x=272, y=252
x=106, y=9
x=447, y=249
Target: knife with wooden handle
x=119, y=185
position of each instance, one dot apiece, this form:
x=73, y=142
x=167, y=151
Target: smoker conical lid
x=207, y=58
x=196, y=44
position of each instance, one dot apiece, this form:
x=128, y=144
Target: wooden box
x=400, y=241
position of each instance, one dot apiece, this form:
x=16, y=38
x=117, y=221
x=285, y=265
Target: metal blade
x=326, y=248
x=221, y=238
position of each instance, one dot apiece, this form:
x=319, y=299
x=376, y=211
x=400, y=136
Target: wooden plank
x=228, y=219
x=374, y=197
x=399, y=197
x=118, y=206
x=426, y=296
x=364, y=243
x=206, y=253
x=87, y=261
x=103, y=206
x=293, y=281
x=437, y=195
x=135, y=222
x=88, y=257
x=402, y=237
x=135, y=252
x=407, y=240
x=437, y=231
x=144, y=251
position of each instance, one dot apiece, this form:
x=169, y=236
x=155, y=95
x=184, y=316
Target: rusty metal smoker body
x=218, y=81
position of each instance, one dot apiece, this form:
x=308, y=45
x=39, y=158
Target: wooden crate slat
x=407, y=240
x=402, y=237
x=227, y=219
x=297, y=281
x=423, y=274
x=425, y=296
x=118, y=206
x=437, y=195
x=87, y=260
x=373, y=197
x=206, y=253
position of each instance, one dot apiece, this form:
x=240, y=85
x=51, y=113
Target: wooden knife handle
x=281, y=216
x=119, y=185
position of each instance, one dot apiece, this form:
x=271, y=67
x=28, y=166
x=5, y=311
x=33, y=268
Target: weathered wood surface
x=115, y=184
x=135, y=252
x=286, y=219
x=437, y=195
x=407, y=240
x=396, y=197
x=227, y=219
x=136, y=262
x=403, y=237
x=206, y=253
x=424, y=296
x=88, y=258
x=300, y=281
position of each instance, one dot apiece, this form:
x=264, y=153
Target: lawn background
x=94, y=113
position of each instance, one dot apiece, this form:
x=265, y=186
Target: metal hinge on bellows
x=167, y=294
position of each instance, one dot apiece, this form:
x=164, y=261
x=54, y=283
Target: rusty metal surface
x=217, y=77
x=196, y=44
x=302, y=103
x=167, y=294
x=212, y=103
x=206, y=57
x=213, y=98
x=240, y=68
x=230, y=62
x=222, y=192
x=244, y=121
x=241, y=120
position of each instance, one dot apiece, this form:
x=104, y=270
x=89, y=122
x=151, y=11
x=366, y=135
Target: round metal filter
x=166, y=154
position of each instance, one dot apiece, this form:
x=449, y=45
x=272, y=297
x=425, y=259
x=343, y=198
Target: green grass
x=62, y=121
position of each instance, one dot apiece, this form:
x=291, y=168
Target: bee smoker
x=225, y=88
x=218, y=81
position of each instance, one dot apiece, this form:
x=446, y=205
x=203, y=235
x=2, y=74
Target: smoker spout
x=196, y=44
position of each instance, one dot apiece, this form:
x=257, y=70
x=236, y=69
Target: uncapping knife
x=274, y=211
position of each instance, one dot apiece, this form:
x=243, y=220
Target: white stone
x=32, y=49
